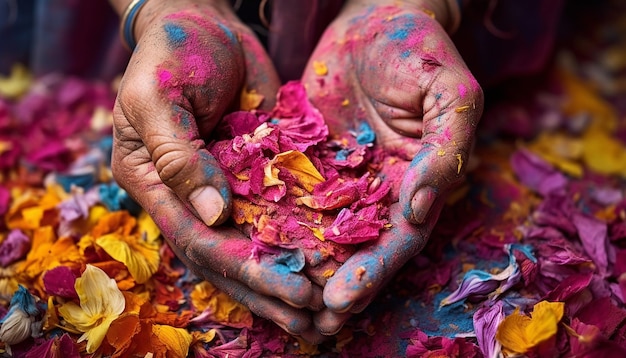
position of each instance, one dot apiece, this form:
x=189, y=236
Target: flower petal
x=177, y=340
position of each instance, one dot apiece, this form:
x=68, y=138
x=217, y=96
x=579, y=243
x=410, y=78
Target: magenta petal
x=617, y=231
x=354, y=228
x=5, y=199
x=14, y=247
x=593, y=234
x=569, y=287
x=297, y=118
x=63, y=347
x=556, y=211
x=235, y=348
x=60, y=282
x=53, y=155
x=604, y=314
x=240, y=123
x=10, y=155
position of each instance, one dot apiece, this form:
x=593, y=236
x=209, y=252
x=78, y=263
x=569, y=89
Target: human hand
x=395, y=67
x=193, y=60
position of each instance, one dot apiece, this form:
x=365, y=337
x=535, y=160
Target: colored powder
x=462, y=90
x=401, y=31
x=228, y=33
x=164, y=75
x=176, y=35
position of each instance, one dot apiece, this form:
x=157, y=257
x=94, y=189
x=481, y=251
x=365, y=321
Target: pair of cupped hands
x=392, y=64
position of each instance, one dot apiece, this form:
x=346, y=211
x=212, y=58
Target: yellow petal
x=140, y=257
x=271, y=175
x=581, y=99
x=201, y=295
x=17, y=83
x=177, y=340
x=95, y=336
x=604, y=154
x=147, y=228
x=205, y=337
x=245, y=212
x=250, y=100
x=47, y=253
x=560, y=150
x=544, y=323
x=511, y=333
x=76, y=316
x=519, y=333
x=32, y=217
x=300, y=167
x=98, y=293
x=223, y=308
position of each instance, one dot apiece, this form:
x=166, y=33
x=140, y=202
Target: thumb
x=453, y=111
x=182, y=162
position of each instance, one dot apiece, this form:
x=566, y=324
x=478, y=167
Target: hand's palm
x=396, y=68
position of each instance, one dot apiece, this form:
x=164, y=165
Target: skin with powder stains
x=193, y=60
x=391, y=64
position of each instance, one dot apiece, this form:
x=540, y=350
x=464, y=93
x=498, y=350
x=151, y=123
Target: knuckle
x=133, y=93
x=172, y=163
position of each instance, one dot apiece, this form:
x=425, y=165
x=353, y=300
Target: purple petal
x=474, y=283
x=14, y=247
x=536, y=173
x=78, y=205
x=486, y=321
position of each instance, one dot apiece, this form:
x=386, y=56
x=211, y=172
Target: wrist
x=446, y=12
x=152, y=10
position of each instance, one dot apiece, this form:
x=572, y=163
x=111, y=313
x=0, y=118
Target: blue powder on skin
x=228, y=33
x=175, y=34
x=404, y=25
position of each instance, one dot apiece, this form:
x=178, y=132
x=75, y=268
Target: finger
x=293, y=320
x=175, y=90
x=369, y=268
x=450, y=121
x=451, y=103
x=317, y=300
x=261, y=76
x=223, y=250
x=329, y=322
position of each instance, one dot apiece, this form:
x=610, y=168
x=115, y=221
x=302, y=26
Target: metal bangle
x=127, y=24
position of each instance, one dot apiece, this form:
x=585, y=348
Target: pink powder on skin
x=164, y=76
x=462, y=90
x=200, y=54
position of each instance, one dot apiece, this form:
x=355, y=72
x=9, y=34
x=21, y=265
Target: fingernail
x=422, y=202
x=208, y=203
